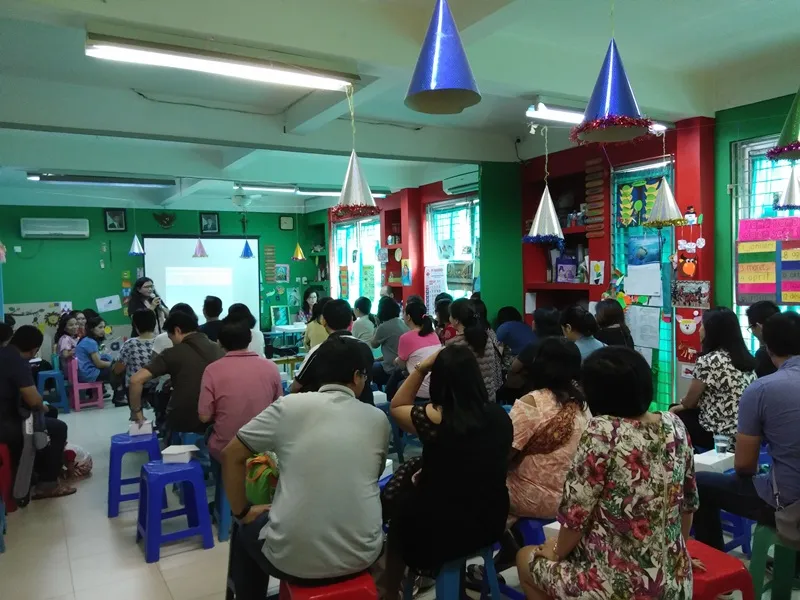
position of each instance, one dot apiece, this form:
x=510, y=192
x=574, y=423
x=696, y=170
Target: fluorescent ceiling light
x=93, y=180
x=541, y=112
x=644, y=167
x=130, y=51
x=332, y=193
x=267, y=189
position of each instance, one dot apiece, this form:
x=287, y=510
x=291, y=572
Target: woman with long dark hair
x=387, y=337
x=723, y=370
x=611, y=321
x=144, y=296
x=466, y=441
x=579, y=326
x=240, y=311
x=365, y=323
x=471, y=332
x=309, y=300
x=93, y=366
x=315, y=331
x=548, y=424
x=418, y=343
x=66, y=337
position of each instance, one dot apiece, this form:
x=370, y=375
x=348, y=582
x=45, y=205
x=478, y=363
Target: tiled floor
x=67, y=549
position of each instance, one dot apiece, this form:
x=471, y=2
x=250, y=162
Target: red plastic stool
x=358, y=588
x=724, y=573
x=7, y=479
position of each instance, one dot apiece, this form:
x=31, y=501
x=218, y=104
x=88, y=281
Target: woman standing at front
x=723, y=371
x=628, y=499
x=144, y=295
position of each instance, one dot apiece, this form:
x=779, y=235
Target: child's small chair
x=448, y=582
x=61, y=388
x=122, y=444
x=783, y=573
x=76, y=387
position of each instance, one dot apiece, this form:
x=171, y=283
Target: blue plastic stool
x=222, y=508
x=532, y=531
x=740, y=530
x=398, y=442
x=156, y=476
x=61, y=388
x=448, y=582
x=2, y=526
x=121, y=444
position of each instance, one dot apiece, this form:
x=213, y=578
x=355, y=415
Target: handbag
x=787, y=518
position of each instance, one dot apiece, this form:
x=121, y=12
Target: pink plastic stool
x=358, y=588
x=76, y=387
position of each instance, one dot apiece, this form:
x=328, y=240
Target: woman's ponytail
x=580, y=320
x=417, y=312
x=475, y=333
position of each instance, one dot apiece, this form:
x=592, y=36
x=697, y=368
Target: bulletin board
x=768, y=261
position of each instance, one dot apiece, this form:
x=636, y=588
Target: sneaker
x=474, y=578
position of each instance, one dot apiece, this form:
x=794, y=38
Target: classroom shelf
x=394, y=246
x=396, y=284
x=323, y=253
x=543, y=285
x=577, y=229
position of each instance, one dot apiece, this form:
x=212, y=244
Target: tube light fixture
x=542, y=112
x=332, y=193
x=94, y=180
x=267, y=189
x=136, y=52
x=644, y=167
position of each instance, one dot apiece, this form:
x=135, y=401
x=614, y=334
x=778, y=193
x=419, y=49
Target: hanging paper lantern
x=199, y=250
x=665, y=212
x=788, y=145
x=356, y=200
x=442, y=83
x=545, y=228
x=790, y=200
x=136, y=247
x=246, y=251
x=612, y=114
x=298, y=253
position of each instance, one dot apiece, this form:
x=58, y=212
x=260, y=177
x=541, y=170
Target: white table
x=293, y=328
x=713, y=461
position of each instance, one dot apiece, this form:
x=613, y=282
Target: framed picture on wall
x=281, y=273
x=115, y=219
x=209, y=223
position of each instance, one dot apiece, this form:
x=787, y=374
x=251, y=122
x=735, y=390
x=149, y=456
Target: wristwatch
x=244, y=512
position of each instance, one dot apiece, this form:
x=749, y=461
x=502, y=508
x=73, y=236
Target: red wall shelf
x=574, y=230
x=544, y=285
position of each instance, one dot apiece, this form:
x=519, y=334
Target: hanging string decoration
x=788, y=145
x=356, y=201
x=665, y=212
x=442, y=83
x=546, y=228
x=298, y=253
x=790, y=200
x=612, y=114
x=247, y=252
x=199, y=250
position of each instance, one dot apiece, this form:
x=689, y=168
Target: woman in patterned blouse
x=628, y=499
x=723, y=371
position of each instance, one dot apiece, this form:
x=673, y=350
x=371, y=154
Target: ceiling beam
x=235, y=159
x=185, y=188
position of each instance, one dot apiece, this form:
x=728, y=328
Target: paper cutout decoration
x=790, y=199
x=298, y=253
x=442, y=83
x=688, y=265
x=690, y=216
x=545, y=228
x=612, y=114
x=788, y=145
x=356, y=200
x=199, y=250
x=691, y=294
x=136, y=247
x=701, y=242
x=247, y=252
x=687, y=326
x=665, y=211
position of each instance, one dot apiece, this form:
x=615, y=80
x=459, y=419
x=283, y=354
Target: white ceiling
x=63, y=112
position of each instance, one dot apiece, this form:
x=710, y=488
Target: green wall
x=501, y=240
x=734, y=125
x=69, y=270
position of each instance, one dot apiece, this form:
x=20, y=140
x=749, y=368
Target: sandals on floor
x=59, y=491
x=474, y=578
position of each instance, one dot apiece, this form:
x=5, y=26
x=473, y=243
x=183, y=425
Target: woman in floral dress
x=628, y=499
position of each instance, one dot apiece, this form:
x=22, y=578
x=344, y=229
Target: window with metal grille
x=453, y=233
x=758, y=184
x=664, y=355
x=355, y=246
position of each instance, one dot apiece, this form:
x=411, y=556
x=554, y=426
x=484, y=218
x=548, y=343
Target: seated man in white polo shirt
x=324, y=525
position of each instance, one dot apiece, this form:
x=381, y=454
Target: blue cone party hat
x=612, y=114
x=442, y=83
x=246, y=251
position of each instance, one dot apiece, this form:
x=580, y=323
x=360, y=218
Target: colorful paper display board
x=775, y=229
x=768, y=270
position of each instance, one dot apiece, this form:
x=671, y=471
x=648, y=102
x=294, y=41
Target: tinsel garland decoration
x=612, y=121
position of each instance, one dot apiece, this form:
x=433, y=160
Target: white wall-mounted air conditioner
x=54, y=228
x=461, y=184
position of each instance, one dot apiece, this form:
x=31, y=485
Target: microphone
x=155, y=295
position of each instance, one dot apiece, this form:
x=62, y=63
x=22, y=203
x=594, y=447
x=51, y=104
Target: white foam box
x=551, y=530
x=388, y=470
x=714, y=461
x=145, y=428
x=178, y=454
x=379, y=397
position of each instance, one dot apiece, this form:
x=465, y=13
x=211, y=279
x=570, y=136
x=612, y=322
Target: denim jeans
x=732, y=493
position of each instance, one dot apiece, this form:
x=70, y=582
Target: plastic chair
x=222, y=508
x=76, y=387
x=7, y=479
x=723, y=574
x=448, y=582
x=398, y=443
x=740, y=529
x=532, y=531
x=156, y=475
x=358, y=588
x=61, y=388
x=122, y=444
x=2, y=526
x=783, y=569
